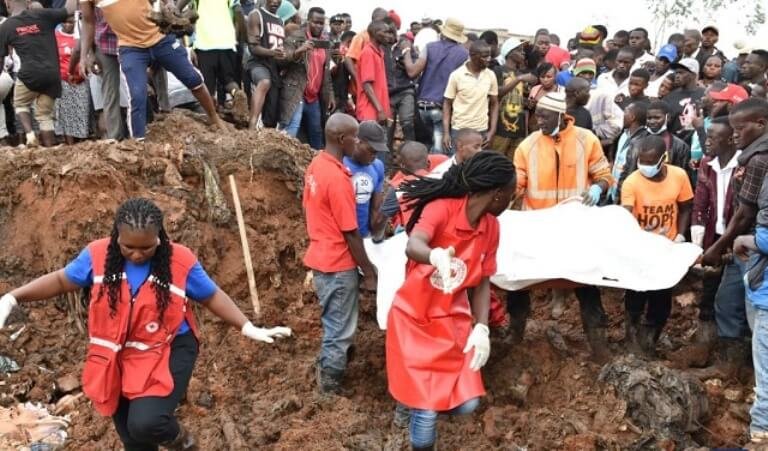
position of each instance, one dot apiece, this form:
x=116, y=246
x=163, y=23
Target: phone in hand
x=321, y=43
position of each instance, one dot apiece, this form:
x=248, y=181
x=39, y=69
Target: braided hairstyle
x=138, y=214
x=485, y=171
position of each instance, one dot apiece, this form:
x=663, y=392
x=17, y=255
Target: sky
x=566, y=20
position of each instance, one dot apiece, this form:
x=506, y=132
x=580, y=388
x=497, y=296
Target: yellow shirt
x=215, y=29
x=129, y=19
x=470, y=97
x=654, y=204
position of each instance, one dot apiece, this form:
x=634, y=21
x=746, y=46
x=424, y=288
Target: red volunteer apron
x=428, y=329
x=129, y=352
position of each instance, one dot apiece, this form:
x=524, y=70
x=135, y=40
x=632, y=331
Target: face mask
x=659, y=131
x=556, y=130
x=650, y=171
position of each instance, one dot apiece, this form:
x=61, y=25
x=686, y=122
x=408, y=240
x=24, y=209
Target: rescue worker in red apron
x=434, y=353
x=143, y=340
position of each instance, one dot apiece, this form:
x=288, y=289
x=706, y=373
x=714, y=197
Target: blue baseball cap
x=669, y=52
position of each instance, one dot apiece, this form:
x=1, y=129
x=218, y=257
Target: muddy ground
x=246, y=395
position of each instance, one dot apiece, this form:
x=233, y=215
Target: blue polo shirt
x=367, y=180
x=199, y=285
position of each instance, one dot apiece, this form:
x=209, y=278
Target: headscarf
x=286, y=11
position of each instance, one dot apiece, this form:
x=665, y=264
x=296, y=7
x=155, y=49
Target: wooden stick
x=246, y=249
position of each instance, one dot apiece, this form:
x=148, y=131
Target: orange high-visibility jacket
x=550, y=170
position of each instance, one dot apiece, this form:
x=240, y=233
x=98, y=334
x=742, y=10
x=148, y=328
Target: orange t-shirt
x=654, y=204
x=357, y=45
x=129, y=19
x=330, y=209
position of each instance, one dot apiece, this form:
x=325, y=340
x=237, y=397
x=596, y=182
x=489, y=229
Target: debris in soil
x=659, y=399
x=31, y=423
x=68, y=383
x=8, y=365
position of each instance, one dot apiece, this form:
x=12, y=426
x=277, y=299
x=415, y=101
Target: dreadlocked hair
x=138, y=214
x=483, y=172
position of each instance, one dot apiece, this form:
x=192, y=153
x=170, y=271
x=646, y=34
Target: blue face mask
x=650, y=171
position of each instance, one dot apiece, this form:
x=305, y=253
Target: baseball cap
x=710, y=28
x=585, y=65
x=395, y=18
x=589, y=36
x=689, y=64
x=669, y=52
x=732, y=93
x=553, y=101
x=374, y=134
x=337, y=18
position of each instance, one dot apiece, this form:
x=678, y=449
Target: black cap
x=337, y=18
x=374, y=134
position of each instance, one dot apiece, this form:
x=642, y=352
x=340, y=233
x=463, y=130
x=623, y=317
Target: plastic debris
x=8, y=365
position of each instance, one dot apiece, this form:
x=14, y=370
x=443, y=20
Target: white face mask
x=661, y=130
x=556, y=130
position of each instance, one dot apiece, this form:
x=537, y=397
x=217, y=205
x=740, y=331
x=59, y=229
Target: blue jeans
x=339, y=298
x=434, y=116
x=423, y=426
x=171, y=55
x=759, y=411
x=313, y=122
x=730, y=302
x=294, y=123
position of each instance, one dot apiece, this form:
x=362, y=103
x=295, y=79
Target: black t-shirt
x=32, y=35
x=581, y=117
x=512, y=114
x=678, y=100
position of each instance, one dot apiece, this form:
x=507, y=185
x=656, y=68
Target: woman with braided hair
x=434, y=353
x=143, y=340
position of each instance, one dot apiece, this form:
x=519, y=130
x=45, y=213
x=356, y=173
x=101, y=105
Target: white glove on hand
x=479, y=340
x=265, y=335
x=680, y=238
x=441, y=259
x=697, y=235
x=7, y=303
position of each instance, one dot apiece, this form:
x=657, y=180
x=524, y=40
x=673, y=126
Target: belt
x=428, y=105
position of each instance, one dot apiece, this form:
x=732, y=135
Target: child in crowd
x=72, y=109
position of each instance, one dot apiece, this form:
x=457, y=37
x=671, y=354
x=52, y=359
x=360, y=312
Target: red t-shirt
x=557, y=56
x=315, y=73
x=66, y=44
x=329, y=207
x=370, y=68
x=448, y=216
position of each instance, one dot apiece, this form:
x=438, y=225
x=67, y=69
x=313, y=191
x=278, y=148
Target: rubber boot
x=185, y=441
x=328, y=380
x=516, y=328
x=631, y=333
x=598, y=343
x=648, y=336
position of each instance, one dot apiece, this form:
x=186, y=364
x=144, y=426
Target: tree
x=670, y=14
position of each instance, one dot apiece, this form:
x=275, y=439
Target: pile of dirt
x=245, y=395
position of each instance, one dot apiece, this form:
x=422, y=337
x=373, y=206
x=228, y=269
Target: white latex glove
x=441, y=259
x=680, y=238
x=7, y=303
x=697, y=235
x=265, y=335
x=479, y=341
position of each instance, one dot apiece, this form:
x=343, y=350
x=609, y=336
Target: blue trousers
x=171, y=55
x=313, y=124
x=423, y=427
x=759, y=411
x=730, y=302
x=339, y=297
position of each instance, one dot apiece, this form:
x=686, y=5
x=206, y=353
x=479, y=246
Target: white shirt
x=653, y=86
x=607, y=84
x=723, y=180
x=442, y=168
x=644, y=58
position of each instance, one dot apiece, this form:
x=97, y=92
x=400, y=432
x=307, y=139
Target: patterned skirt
x=73, y=110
